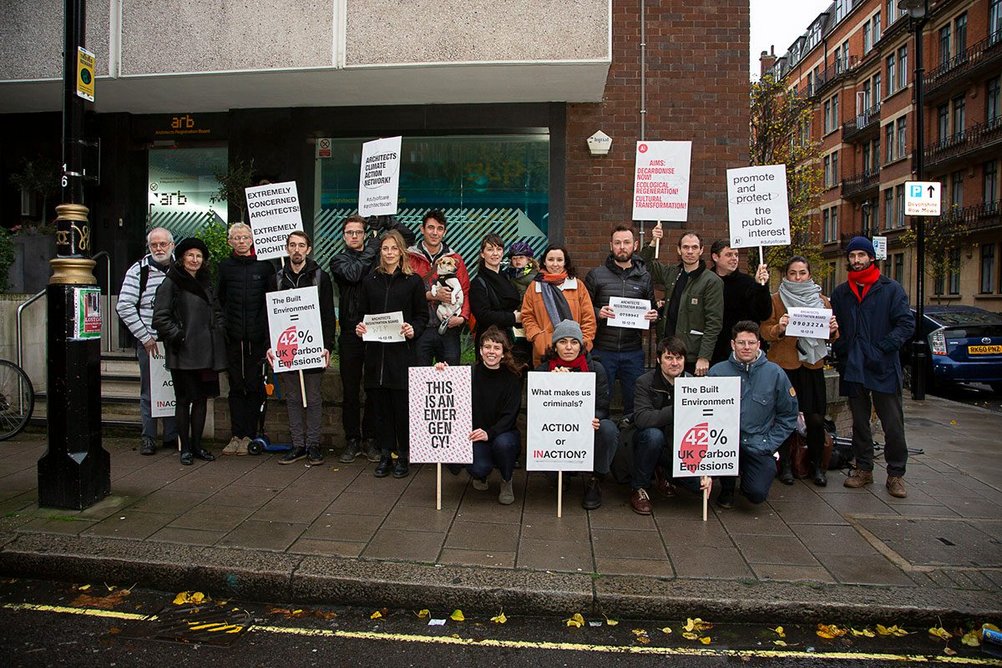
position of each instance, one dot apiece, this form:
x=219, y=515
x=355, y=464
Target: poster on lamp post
x=661, y=180
x=757, y=206
x=379, y=177
x=272, y=213
x=707, y=426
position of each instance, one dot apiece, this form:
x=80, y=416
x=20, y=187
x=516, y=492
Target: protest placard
x=383, y=327
x=441, y=415
x=661, y=180
x=629, y=313
x=707, y=426
x=759, y=213
x=162, y=399
x=379, y=177
x=272, y=212
x=813, y=323
x=297, y=337
x=559, y=432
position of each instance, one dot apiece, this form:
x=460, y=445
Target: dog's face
x=445, y=265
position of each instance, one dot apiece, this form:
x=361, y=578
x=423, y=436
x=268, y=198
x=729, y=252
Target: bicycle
x=17, y=399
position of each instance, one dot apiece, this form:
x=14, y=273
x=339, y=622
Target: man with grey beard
x=135, y=308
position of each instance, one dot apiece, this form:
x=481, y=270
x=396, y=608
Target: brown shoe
x=662, y=484
x=640, y=502
x=858, y=479
x=896, y=486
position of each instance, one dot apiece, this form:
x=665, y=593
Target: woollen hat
x=520, y=248
x=187, y=244
x=861, y=244
x=568, y=329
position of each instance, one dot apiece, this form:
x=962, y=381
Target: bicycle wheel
x=17, y=399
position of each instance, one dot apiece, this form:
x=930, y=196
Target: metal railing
x=20, y=338
x=867, y=120
x=983, y=53
x=973, y=138
x=975, y=217
x=106, y=336
x=858, y=184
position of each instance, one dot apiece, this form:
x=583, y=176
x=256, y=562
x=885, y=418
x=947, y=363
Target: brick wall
x=697, y=88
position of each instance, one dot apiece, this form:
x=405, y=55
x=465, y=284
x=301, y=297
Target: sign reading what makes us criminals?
x=559, y=433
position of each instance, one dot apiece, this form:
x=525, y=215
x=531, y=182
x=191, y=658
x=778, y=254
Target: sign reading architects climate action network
x=379, y=178
x=297, y=336
x=441, y=414
x=661, y=180
x=707, y=426
x=559, y=432
x=273, y=212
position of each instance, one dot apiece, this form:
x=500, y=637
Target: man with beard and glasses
x=745, y=297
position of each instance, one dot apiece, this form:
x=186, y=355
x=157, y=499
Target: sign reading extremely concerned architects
x=758, y=207
x=379, y=177
x=661, y=181
x=273, y=212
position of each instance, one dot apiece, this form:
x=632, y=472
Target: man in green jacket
x=694, y=300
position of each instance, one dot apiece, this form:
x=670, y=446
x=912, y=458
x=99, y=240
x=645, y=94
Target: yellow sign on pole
x=85, y=74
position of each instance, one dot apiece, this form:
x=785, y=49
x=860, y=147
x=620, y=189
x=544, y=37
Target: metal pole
x=920, y=348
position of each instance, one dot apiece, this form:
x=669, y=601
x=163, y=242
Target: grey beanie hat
x=568, y=329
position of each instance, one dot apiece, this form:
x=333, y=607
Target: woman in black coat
x=390, y=287
x=188, y=320
x=494, y=300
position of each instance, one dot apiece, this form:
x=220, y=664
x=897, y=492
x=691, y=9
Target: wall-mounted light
x=599, y=143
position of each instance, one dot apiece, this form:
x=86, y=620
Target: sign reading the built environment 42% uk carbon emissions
x=441, y=414
x=559, y=432
x=707, y=426
x=297, y=337
x=273, y=212
x=379, y=178
x=758, y=208
x=661, y=180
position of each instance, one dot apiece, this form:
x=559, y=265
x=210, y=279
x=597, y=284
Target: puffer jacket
x=768, y=402
x=187, y=318
x=386, y=364
x=611, y=280
x=422, y=266
x=241, y=286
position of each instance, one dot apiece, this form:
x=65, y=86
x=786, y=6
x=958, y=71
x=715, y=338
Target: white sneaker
x=232, y=447
x=242, y=446
x=507, y=496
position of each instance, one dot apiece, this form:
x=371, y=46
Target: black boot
x=785, y=474
x=384, y=467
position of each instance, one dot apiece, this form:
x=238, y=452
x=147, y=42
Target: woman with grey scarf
x=803, y=360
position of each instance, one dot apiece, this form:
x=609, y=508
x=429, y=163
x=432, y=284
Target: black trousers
x=244, y=366
x=351, y=350
x=393, y=419
x=892, y=418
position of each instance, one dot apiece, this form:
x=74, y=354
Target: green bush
x=214, y=236
x=6, y=257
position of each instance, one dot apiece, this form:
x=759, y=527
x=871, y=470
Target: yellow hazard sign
x=85, y=74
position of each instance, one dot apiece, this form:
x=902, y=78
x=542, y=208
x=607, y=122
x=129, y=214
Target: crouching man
x=768, y=413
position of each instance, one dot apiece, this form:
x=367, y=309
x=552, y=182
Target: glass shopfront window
x=181, y=188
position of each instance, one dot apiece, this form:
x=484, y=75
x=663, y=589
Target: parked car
x=965, y=346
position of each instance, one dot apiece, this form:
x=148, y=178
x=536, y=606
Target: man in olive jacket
x=694, y=300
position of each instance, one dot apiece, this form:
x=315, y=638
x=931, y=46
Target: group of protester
x=711, y=322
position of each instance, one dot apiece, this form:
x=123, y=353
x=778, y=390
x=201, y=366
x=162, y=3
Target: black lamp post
x=918, y=10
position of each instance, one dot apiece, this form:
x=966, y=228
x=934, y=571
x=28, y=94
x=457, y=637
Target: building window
x=827, y=115
x=888, y=207
x=829, y=219
x=875, y=154
x=876, y=86
x=944, y=45
x=943, y=121
x=889, y=142
x=898, y=272
x=891, y=75
x=959, y=116
x=867, y=37
x=987, y=268
x=901, y=150
x=828, y=283
x=842, y=57
x=827, y=161
x=902, y=67
x=957, y=189
x=995, y=21
x=953, y=274
x=938, y=284
x=992, y=98
x=899, y=206
x=960, y=35
x=869, y=209
x=991, y=182
x=835, y=172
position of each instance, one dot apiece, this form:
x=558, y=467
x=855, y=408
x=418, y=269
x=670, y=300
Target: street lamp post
x=918, y=10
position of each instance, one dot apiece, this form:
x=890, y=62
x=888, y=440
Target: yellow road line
x=89, y=612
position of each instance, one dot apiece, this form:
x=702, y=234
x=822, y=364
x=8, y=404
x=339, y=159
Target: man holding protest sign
x=875, y=321
x=745, y=298
x=768, y=413
x=623, y=279
x=302, y=386
x=694, y=299
x=439, y=338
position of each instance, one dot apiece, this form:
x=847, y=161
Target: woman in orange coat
x=803, y=359
x=554, y=296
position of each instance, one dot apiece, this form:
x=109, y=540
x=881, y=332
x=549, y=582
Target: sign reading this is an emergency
x=922, y=198
x=441, y=415
x=661, y=181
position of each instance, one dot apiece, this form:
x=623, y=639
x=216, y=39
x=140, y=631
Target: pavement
x=248, y=528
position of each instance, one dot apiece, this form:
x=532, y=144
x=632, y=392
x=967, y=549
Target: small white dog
x=445, y=268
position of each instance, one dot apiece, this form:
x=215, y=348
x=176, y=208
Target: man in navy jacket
x=875, y=320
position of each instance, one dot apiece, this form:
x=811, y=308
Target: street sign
x=880, y=247
x=922, y=198
x=85, y=74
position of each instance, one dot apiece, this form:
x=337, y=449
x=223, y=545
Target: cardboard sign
x=629, y=313
x=162, y=399
x=812, y=323
x=758, y=209
x=707, y=426
x=559, y=432
x=384, y=327
x=297, y=336
x=273, y=212
x=661, y=180
x=441, y=414
x=379, y=178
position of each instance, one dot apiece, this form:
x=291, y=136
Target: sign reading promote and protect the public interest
x=758, y=207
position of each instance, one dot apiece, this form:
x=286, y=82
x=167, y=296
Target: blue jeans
x=606, y=443
x=627, y=366
x=500, y=453
x=651, y=448
x=434, y=347
x=145, y=410
x=756, y=473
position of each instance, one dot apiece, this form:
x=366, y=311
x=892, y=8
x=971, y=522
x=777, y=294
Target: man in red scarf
x=875, y=321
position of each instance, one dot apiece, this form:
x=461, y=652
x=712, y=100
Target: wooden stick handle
x=560, y=493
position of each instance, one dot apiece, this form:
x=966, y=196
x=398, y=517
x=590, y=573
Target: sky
x=779, y=22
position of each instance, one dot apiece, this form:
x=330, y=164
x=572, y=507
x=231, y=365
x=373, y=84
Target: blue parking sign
x=915, y=190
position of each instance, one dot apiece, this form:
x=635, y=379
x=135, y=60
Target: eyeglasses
x=242, y=237
x=160, y=244
x=746, y=344
x=353, y=233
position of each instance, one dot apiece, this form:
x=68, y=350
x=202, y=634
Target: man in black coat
x=242, y=283
x=745, y=298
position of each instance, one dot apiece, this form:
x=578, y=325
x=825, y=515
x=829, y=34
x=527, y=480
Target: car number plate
x=984, y=350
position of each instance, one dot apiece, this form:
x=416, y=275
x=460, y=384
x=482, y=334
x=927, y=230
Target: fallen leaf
x=114, y=631
x=867, y=633
x=576, y=620
x=188, y=597
x=103, y=602
x=378, y=614
x=697, y=624
x=457, y=615
x=705, y=640
x=424, y=613
x=953, y=422
x=779, y=643
x=84, y=588
x=830, y=631
x=500, y=618
x=644, y=640
x=972, y=638
x=949, y=651
x=639, y=632
x=666, y=630
x=940, y=632
x=611, y=622
x=896, y=631
x=689, y=635
x=779, y=631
